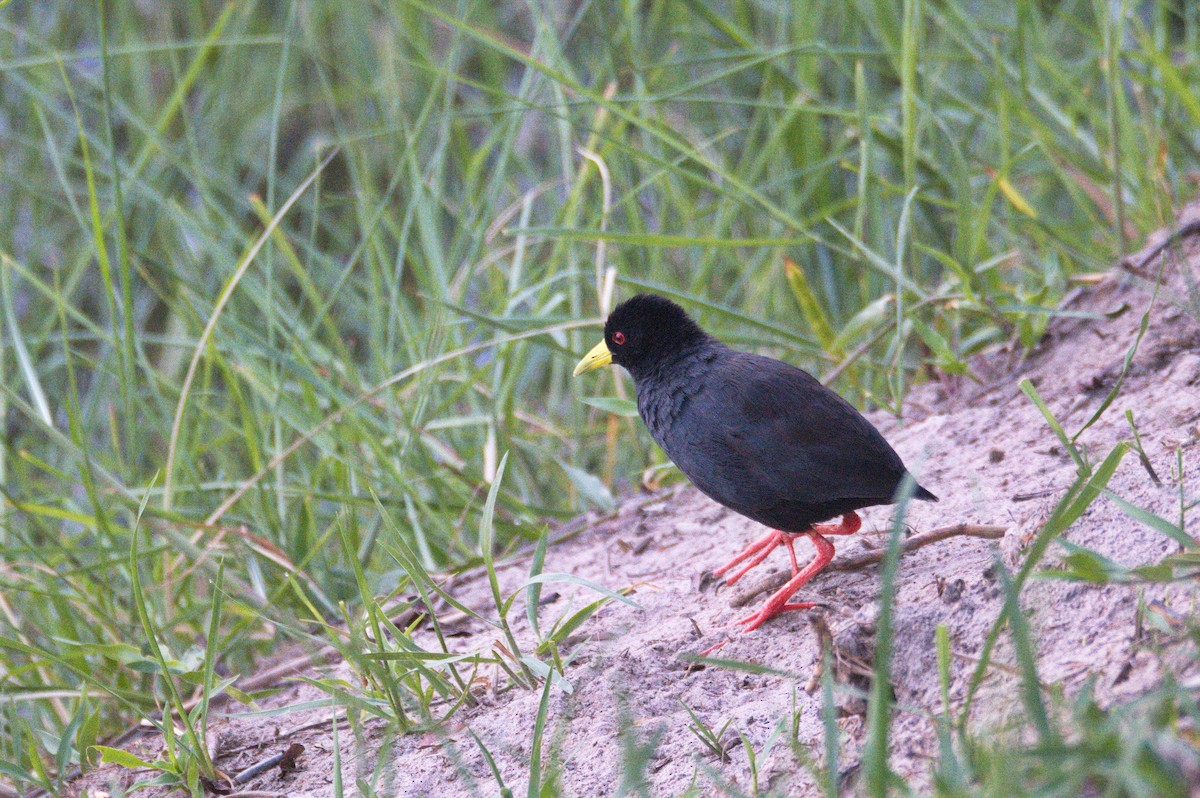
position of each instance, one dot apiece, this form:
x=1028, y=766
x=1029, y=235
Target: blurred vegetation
x=293, y=277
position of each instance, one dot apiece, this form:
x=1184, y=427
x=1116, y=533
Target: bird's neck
x=680, y=366
x=665, y=389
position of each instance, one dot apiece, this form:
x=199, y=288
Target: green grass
x=294, y=282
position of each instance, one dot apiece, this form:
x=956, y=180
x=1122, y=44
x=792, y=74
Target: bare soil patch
x=985, y=449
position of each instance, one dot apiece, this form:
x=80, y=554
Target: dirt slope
x=977, y=449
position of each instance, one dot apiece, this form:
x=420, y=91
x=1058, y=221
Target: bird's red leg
x=778, y=603
x=790, y=540
x=761, y=547
x=849, y=524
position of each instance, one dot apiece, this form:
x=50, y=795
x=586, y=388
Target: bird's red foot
x=768, y=612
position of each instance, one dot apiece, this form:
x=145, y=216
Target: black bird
x=761, y=437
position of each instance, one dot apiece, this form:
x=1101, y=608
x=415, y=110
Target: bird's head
x=641, y=332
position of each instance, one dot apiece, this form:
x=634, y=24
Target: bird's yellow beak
x=599, y=356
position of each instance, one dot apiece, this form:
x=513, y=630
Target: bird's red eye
x=618, y=338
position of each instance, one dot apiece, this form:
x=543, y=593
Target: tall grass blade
x=877, y=773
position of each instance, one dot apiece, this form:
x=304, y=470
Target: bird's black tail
x=924, y=495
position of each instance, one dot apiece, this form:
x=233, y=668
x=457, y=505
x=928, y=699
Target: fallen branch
x=919, y=541
x=285, y=762
x=776, y=580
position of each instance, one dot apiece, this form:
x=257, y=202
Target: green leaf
x=946, y=359
x=869, y=318
x=1027, y=387
x=1163, y=572
x=1089, y=566
x=810, y=307
x=1116, y=389
x=533, y=593
x=243, y=698
x=565, y=628
x=544, y=671
x=1070, y=511
x=1154, y=521
x=590, y=487
x=627, y=408
x=742, y=666
x=583, y=581
x=116, y=756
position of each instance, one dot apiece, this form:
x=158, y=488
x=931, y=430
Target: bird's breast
x=663, y=408
x=667, y=397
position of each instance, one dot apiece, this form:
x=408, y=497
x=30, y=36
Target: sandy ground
x=984, y=448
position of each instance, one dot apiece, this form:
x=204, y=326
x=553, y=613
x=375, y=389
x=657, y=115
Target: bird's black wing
x=801, y=442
